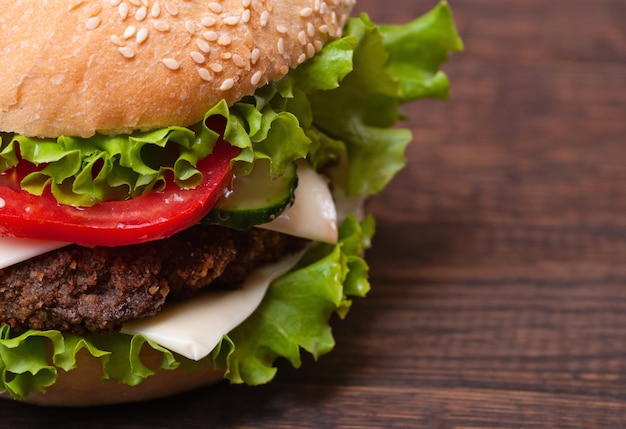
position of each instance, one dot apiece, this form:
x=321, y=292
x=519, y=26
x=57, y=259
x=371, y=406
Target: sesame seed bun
x=114, y=66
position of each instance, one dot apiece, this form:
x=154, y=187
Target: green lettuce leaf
x=86, y=171
x=418, y=49
x=391, y=67
x=296, y=310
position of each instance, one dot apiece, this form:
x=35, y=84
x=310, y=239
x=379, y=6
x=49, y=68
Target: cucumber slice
x=255, y=199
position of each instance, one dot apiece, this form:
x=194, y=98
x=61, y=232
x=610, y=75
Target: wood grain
x=499, y=266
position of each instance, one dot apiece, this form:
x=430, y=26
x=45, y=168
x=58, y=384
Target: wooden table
x=499, y=268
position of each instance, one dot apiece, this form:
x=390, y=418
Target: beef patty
x=80, y=290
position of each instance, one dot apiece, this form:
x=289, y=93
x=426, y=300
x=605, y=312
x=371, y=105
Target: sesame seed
x=127, y=51
x=281, y=29
x=306, y=12
x=114, y=3
x=226, y=55
x=142, y=35
x=117, y=40
x=211, y=36
x=190, y=26
x=302, y=38
x=216, y=7
x=171, y=63
x=141, y=13
x=239, y=61
x=318, y=45
x=323, y=29
x=280, y=45
x=245, y=16
x=310, y=50
x=155, y=11
x=255, y=55
x=122, y=9
x=3, y=203
x=265, y=16
x=224, y=40
x=197, y=57
x=161, y=25
x=310, y=29
x=134, y=2
x=316, y=5
x=231, y=20
x=202, y=45
x=171, y=8
x=227, y=84
x=129, y=32
x=205, y=74
x=216, y=67
x=302, y=58
x=93, y=23
x=343, y=19
x=208, y=21
x=256, y=78
x=245, y=3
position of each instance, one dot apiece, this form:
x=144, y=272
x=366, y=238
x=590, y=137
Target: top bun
x=80, y=67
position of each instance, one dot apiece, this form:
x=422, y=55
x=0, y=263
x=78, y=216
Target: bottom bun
x=83, y=386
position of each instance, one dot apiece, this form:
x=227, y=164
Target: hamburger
x=181, y=184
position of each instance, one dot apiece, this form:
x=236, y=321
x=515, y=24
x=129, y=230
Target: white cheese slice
x=193, y=328
x=313, y=214
x=14, y=250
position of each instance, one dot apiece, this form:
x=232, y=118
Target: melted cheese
x=193, y=328
x=14, y=250
x=313, y=214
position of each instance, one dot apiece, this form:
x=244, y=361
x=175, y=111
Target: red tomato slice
x=149, y=217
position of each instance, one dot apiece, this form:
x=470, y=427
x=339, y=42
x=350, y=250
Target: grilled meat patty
x=80, y=290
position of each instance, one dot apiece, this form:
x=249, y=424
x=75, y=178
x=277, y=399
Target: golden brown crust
x=83, y=386
x=77, y=67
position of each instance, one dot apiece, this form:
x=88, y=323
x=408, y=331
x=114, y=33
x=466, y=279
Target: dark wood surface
x=499, y=267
